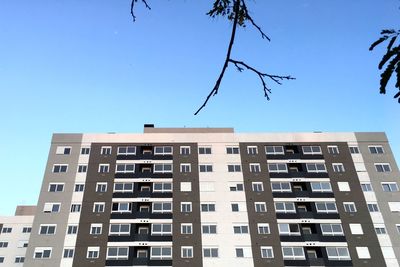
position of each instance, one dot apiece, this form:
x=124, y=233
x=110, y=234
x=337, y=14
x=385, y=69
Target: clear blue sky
x=83, y=66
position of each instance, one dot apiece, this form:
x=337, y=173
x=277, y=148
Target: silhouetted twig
x=133, y=5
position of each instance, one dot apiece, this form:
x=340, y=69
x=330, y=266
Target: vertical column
x=256, y=196
x=186, y=225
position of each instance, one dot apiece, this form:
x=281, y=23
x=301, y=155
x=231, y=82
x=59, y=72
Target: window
x=125, y=168
x=68, y=253
x=162, y=187
x=93, y=252
x=263, y=228
x=257, y=186
x=373, y=207
x=207, y=207
x=277, y=167
x=60, y=168
x=288, y=229
x=19, y=259
x=104, y=168
x=207, y=187
x=120, y=229
x=344, y=186
x=232, y=150
x=3, y=244
x=72, y=229
x=141, y=253
x=235, y=207
x=285, y=207
x=51, y=207
x=210, y=252
x=26, y=229
x=331, y=229
x=161, y=229
x=6, y=230
x=274, y=150
x=252, y=150
x=349, y=207
x=363, y=253
x=186, y=228
x=1, y=259
x=281, y=187
x=354, y=150
x=98, y=207
x=206, y=168
x=234, y=168
x=255, y=167
x=162, y=207
x=186, y=167
x=243, y=252
x=333, y=150
x=42, y=253
x=162, y=167
x=260, y=206
x=316, y=167
x=187, y=252
x=382, y=167
x=312, y=150
x=101, y=187
x=380, y=230
x=161, y=253
x=209, y=228
x=321, y=187
x=338, y=167
x=186, y=186
x=236, y=187
x=75, y=208
x=366, y=187
x=185, y=150
x=126, y=150
x=390, y=187
x=326, y=207
x=85, y=151
x=267, y=252
x=186, y=206
x=293, y=253
x=47, y=229
x=79, y=187
x=53, y=187
x=338, y=253
x=105, y=150
x=204, y=150
x=63, y=150
x=376, y=149
x=123, y=187
x=82, y=168
x=394, y=206
x=163, y=150
x=398, y=228
x=121, y=207
x=240, y=229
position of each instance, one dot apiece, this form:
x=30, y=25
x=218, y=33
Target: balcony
x=138, y=262
x=146, y=156
x=142, y=194
x=293, y=156
x=147, y=174
x=307, y=215
x=300, y=194
x=139, y=237
x=141, y=215
x=318, y=262
x=302, y=174
x=311, y=237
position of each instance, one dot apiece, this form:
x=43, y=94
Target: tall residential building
x=14, y=236
x=213, y=197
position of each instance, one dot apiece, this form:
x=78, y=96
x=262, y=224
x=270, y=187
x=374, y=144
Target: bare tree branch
x=276, y=78
x=248, y=17
x=133, y=5
x=214, y=91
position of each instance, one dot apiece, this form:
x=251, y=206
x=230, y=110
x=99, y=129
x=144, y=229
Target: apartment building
x=14, y=236
x=213, y=197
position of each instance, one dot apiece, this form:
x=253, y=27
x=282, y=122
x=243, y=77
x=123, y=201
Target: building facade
x=213, y=197
x=14, y=236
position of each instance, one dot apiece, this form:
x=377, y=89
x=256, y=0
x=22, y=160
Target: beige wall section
x=219, y=137
x=55, y=241
x=25, y=210
x=15, y=239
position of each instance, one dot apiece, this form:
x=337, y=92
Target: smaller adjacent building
x=14, y=235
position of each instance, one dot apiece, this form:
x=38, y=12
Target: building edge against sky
x=209, y=196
